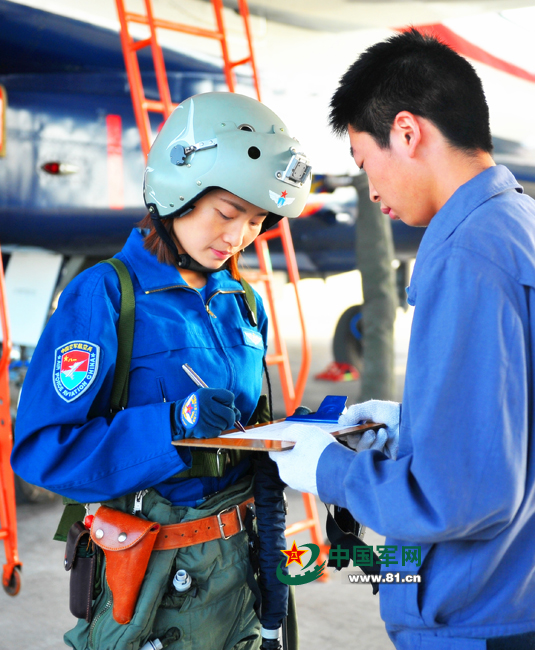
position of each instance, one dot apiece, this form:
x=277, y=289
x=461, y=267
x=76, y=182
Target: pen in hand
x=199, y=382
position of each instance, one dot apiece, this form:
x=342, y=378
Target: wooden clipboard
x=258, y=444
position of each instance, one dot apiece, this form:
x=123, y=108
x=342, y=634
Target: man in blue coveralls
x=461, y=488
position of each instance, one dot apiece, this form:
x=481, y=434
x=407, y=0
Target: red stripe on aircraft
x=464, y=47
x=114, y=129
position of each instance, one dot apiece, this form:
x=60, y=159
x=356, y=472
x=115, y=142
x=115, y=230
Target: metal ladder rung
x=174, y=27
x=272, y=359
x=139, y=45
x=154, y=105
x=234, y=64
x=299, y=527
x=272, y=233
x=256, y=276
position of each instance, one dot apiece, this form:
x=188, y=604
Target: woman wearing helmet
x=222, y=170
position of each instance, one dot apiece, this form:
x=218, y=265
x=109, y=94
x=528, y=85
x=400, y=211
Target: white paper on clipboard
x=282, y=430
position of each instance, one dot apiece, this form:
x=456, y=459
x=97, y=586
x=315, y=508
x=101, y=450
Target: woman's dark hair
x=157, y=247
x=415, y=73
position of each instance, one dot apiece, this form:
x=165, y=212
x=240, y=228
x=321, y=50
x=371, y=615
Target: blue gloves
x=204, y=414
x=297, y=467
x=385, y=440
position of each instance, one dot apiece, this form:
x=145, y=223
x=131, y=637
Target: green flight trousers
x=216, y=613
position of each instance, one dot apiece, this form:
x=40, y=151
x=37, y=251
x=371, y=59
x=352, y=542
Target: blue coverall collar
x=154, y=276
x=467, y=198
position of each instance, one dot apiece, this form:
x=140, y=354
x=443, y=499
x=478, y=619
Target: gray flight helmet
x=227, y=141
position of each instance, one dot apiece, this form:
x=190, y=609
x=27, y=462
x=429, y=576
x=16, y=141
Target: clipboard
x=327, y=414
x=260, y=444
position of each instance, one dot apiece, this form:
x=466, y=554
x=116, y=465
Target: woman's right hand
x=204, y=414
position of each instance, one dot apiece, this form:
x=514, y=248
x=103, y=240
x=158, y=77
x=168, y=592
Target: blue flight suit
x=66, y=439
x=461, y=495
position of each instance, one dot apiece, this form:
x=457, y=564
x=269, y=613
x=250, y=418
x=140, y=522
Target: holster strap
x=225, y=524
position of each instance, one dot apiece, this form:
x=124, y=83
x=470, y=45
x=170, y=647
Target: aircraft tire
x=347, y=341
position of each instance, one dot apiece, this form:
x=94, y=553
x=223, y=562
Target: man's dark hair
x=415, y=73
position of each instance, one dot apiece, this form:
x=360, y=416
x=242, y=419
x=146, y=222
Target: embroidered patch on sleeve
x=75, y=368
x=190, y=411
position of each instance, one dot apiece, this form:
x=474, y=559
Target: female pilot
x=222, y=170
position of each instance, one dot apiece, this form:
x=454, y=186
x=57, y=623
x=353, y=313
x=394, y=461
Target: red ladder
x=11, y=580
x=292, y=394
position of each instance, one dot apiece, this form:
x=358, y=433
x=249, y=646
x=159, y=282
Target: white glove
x=385, y=440
x=297, y=467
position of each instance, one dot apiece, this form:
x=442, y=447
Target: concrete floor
x=332, y=614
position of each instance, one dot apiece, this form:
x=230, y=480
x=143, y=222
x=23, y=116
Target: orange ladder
x=11, y=579
x=292, y=395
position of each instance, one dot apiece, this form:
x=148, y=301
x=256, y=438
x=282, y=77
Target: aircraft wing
x=317, y=15
x=299, y=62
x=344, y=15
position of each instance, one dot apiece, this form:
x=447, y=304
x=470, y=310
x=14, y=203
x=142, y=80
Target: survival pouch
x=81, y=561
x=127, y=542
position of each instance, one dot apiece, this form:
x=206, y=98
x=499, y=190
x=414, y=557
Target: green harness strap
x=250, y=302
x=74, y=510
x=125, y=337
x=204, y=463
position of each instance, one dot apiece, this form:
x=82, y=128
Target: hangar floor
x=332, y=614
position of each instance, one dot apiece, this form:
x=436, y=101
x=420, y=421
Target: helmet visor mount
x=179, y=152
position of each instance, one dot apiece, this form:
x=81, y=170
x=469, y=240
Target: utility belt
x=223, y=525
x=212, y=463
x=127, y=542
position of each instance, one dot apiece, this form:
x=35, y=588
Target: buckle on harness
x=222, y=525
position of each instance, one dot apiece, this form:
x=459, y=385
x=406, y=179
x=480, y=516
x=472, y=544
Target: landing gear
x=347, y=342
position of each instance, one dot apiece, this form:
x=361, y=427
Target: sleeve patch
x=190, y=411
x=75, y=368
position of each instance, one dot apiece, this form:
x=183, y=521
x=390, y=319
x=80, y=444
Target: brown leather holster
x=127, y=543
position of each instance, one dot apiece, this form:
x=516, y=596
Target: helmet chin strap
x=183, y=260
